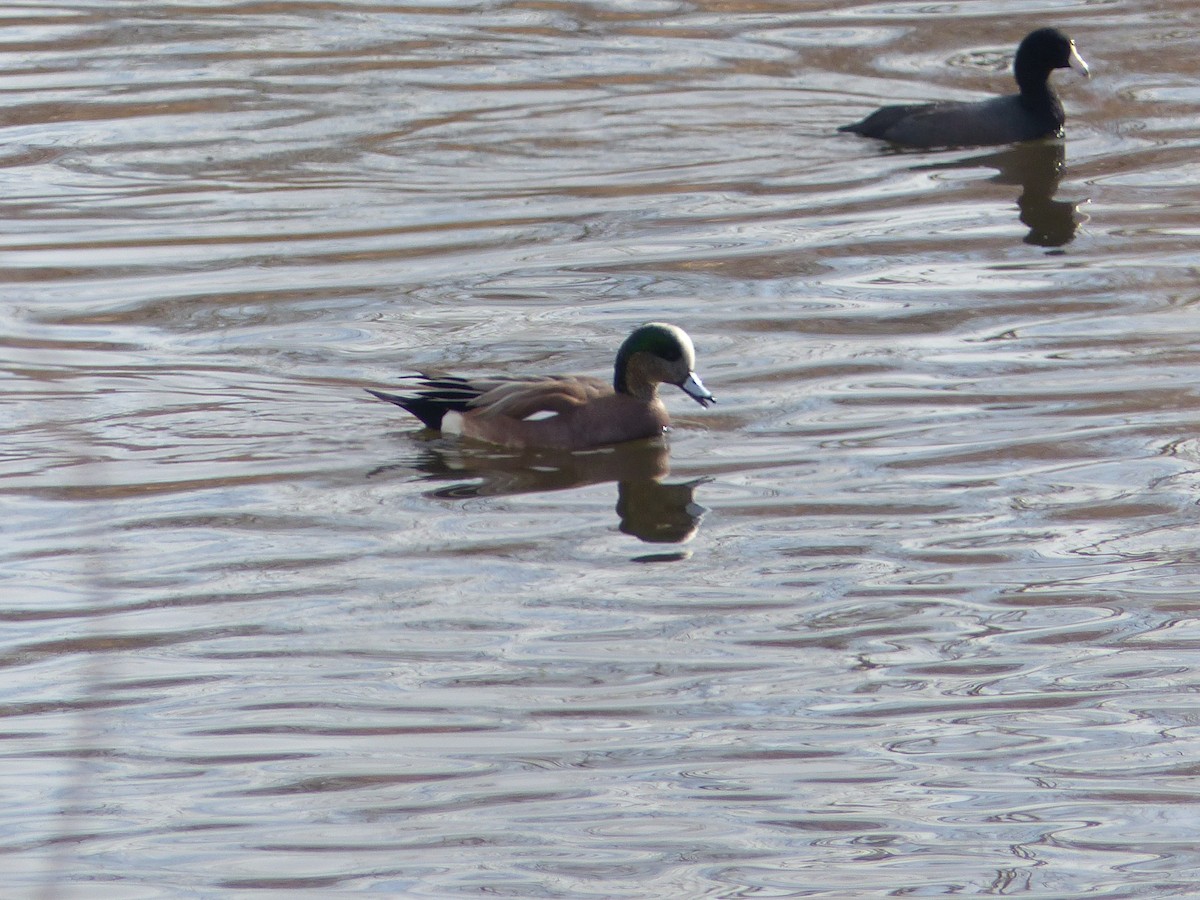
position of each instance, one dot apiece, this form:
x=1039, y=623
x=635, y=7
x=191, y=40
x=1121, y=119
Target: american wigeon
x=1035, y=112
x=570, y=412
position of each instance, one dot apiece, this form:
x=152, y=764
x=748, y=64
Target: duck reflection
x=1037, y=168
x=647, y=508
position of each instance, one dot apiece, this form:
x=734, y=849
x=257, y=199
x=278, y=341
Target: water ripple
x=921, y=619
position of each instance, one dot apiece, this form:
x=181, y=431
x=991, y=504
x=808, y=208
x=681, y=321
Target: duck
x=1034, y=112
x=571, y=412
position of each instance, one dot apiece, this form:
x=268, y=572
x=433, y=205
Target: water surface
x=911, y=611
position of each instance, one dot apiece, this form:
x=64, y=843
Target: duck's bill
x=1075, y=61
x=695, y=389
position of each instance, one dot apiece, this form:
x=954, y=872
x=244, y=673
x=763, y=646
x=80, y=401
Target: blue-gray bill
x=695, y=389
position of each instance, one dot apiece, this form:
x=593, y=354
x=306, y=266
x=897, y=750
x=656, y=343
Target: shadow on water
x=648, y=508
x=1037, y=168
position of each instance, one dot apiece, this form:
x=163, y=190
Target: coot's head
x=1041, y=53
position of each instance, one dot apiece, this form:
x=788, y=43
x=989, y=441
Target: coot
x=1035, y=112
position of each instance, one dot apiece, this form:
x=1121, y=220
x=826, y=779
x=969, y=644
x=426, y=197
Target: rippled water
x=910, y=612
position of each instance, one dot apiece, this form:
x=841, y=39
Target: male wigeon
x=1034, y=112
x=568, y=412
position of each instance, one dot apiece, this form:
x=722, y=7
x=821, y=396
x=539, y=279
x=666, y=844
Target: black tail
x=430, y=412
x=437, y=397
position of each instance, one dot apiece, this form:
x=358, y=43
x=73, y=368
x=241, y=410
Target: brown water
x=914, y=612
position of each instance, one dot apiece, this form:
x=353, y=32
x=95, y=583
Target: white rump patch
x=452, y=423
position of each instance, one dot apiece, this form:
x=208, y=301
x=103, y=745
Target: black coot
x=1035, y=112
